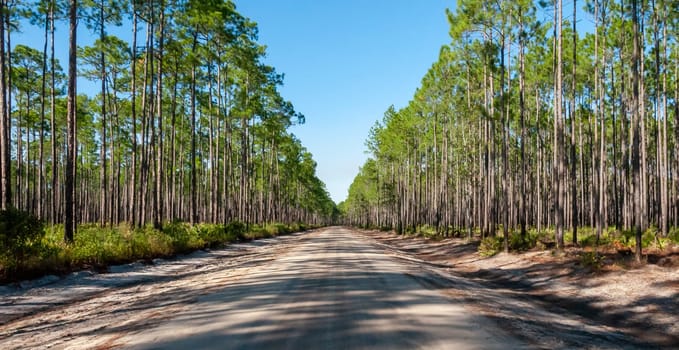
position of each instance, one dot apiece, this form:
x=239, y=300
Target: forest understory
x=638, y=299
x=40, y=251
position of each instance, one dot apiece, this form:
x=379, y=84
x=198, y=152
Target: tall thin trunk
x=53, y=123
x=159, y=198
x=664, y=202
x=69, y=219
x=559, y=189
x=5, y=181
x=194, y=198
x=574, y=185
x=103, y=199
x=132, y=214
x=636, y=138
x=522, y=117
x=43, y=102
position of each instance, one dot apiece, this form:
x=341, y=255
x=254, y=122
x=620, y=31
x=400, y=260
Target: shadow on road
x=347, y=296
x=332, y=290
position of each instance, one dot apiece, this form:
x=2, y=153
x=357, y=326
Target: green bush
x=257, y=232
x=98, y=246
x=517, y=243
x=148, y=243
x=236, y=229
x=214, y=235
x=21, y=235
x=588, y=240
x=674, y=235
x=648, y=238
x=592, y=260
x=427, y=231
x=282, y=229
x=490, y=246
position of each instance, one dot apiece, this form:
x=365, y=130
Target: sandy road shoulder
x=86, y=309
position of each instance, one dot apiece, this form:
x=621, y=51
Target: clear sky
x=345, y=62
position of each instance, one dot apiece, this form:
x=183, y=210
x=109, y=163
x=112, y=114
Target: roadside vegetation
x=532, y=130
x=612, y=248
x=29, y=249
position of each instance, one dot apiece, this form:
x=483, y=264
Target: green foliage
x=427, y=231
x=588, y=240
x=185, y=237
x=37, y=251
x=20, y=235
x=223, y=59
x=592, y=260
x=490, y=246
x=518, y=243
x=674, y=235
x=628, y=239
x=236, y=229
x=95, y=246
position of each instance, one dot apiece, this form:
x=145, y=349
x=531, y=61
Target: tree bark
x=70, y=209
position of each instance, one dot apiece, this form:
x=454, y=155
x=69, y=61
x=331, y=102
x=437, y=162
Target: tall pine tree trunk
x=574, y=185
x=69, y=188
x=636, y=137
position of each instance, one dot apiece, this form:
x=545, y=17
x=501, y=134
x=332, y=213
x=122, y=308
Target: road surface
x=326, y=289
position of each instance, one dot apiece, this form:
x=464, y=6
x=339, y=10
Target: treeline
x=531, y=120
x=185, y=123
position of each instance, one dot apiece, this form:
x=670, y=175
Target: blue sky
x=345, y=62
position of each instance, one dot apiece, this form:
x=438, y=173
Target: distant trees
x=187, y=122
x=517, y=126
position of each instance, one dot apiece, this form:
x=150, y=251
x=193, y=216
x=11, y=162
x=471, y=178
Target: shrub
x=213, y=235
x=649, y=237
x=490, y=246
x=257, y=231
x=427, y=231
x=236, y=229
x=674, y=235
x=282, y=229
x=628, y=238
x=588, y=241
x=98, y=246
x=147, y=243
x=521, y=244
x=20, y=234
x=592, y=260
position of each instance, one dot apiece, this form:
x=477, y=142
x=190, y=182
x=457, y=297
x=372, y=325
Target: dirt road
x=328, y=289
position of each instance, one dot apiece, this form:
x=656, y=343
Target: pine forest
x=536, y=119
x=182, y=123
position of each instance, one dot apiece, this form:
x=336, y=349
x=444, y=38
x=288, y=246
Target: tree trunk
x=70, y=209
x=559, y=189
x=194, y=198
x=636, y=137
x=574, y=185
x=132, y=215
x=103, y=195
x=5, y=181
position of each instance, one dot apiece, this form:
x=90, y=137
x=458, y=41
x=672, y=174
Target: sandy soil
x=639, y=300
